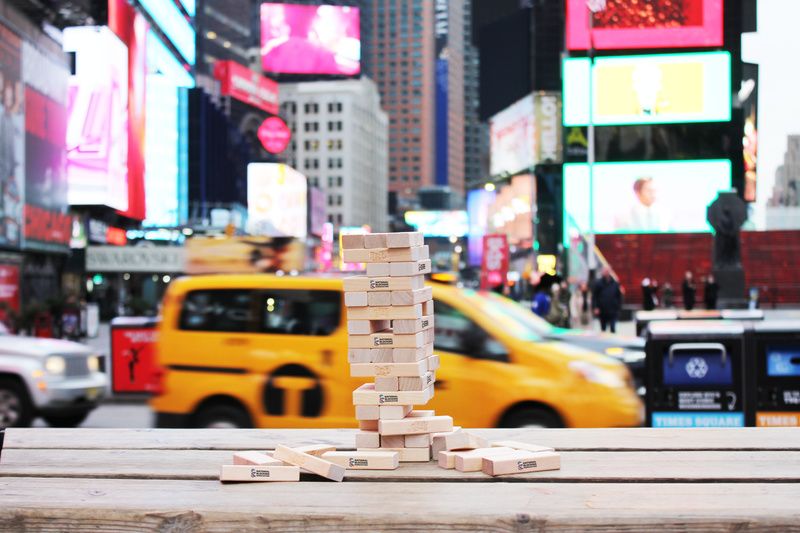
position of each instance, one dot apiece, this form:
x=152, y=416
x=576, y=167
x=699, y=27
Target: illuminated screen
x=97, y=127
x=511, y=214
x=651, y=89
x=647, y=197
x=276, y=200
x=439, y=223
x=702, y=368
x=783, y=362
x=478, y=204
x=300, y=39
x=627, y=24
x=511, y=138
x=174, y=25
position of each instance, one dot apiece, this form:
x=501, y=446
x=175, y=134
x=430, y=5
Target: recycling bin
x=643, y=318
x=774, y=373
x=694, y=372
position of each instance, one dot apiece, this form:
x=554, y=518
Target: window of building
x=311, y=108
x=339, y=218
x=338, y=181
x=338, y=199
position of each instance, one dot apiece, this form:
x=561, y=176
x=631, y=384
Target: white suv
x=55, y=379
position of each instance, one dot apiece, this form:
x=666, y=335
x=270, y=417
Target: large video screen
x=301, y=39
x=277, y=203
x=439, y=223
x=648, y=89
x=628, y=24
x=644, y=197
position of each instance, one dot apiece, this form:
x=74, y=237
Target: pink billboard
x=625, y=24
x=301, y=39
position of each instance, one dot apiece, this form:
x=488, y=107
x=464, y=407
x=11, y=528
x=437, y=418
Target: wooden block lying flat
x=310, y=462
x=458, y=440
x=361, y=370
x=368, y=412
x=387, y=339
x=365, y=460
x=394, y=412
x=387, y=384
x=375, y=255
x=404, y=327
x=366, y=327
x=355, y=299
x=378, y=270
x=416, y=383
x=522, y=446
x=407, y=455
x=314, y=449
x=421, y=412
x=428, y=308
x=350, y=242
x=412, y=355
x=521, y=461
x=360, y=355
x=367, y=439
x=405, y=239
x=375, y=240
x=446, y=459
x=408, y=268
x=412, y=297
x=385, y=313
x=368, y=425
x=255, y=458
x=416, y=425
x=393, y=441
x=433, y=363
x=382, y=355
x=415, y=253
x=259, y=473
x=423, y=440
x=367, y=395
x=472, y=460
x=379, y=298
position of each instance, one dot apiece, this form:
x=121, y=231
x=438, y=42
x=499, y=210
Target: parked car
x=55, y=379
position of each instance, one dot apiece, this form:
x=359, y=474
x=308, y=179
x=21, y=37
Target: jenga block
x=421, y=412
x=375, y=240
x=412, y=297
x=522, y=446
x=259, y=473
x=365, y=460
x=433, y=363
x=379, y=298
x=412, y=355
x=446, y=459
x=367, y=412
x=404, y=327
x=519, y=462
x=367, y=439
x=350, y=242
x=376, y=255
x=366, y=327
x=439, y=440
x=355, y=284
x=408, y=268
x=415, y=253
x=385, y=313
x=367, y=395
x=386, y=384
x=415, y=383
x=255, y=458
x=367, y=425
x=314, y=449
x=394, y=412
x=360, y=355
x=382, y=355
x=407, y=455
x=429, y=336
x=360, y=370
x=385, y=283
x=393, y=441
x=472, y=460
x=355, y=299
x=423, y=440
x=404, y=239
x=309, y=462
x=378, y=270
x=387, y=339
x=428, y=308
x=458, y=440
x=413, y=426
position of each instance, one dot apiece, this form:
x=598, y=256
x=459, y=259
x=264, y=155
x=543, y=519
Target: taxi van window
x=223, y=310
x=299, y=312
x=457, y=333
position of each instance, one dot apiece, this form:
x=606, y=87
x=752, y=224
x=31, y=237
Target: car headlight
x=596, y=374
x=93, y=362
x=55, y=364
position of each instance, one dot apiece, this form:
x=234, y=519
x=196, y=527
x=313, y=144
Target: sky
x=776, y=49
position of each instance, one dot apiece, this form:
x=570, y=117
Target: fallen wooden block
x=383, y=283
x=313, y=449
x=405, y=239
x=412, y=355
x=360, y=355
x=382, y=355
x=367, y=395
x=393, y=441
x=355, y=299
x=259, y=473
x=386, y=384
x=408, y=383
x=521, y=461
x=414, y=253
x=368, y=412
x=372, y=255
x=522, y=446
x=387, y=339
x=393, y=412
x=433, y=363
x=446, y=459
x=422, y=440
x=458, y=440
x=407, y=268
x=360, y=370
x=349, y=242
x=255, y=458
x=421, y=412
x=407, y=455
x=378, y=270
x=412, y=297
x=385, y=313
x=404, y=327
x=360, y=460
x=375, y=240
x=310, y=462
x=412, y=426
x=472, y=460
x=366, y=327
x=367, y=439
x=379, y=298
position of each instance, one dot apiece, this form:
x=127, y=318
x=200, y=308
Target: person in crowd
x=607, y=301
x=689, y=291
x=541, y=301
x=669, y=295
x=581, y=306
x=649, y=298
x=565, y=295
x=710, y=291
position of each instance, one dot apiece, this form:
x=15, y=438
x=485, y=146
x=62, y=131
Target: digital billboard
x=478, y=203
x=439, y=223
x=644, y=197
x=648, y=89
x=174, y=25
x=511, y=213
x=628, y=24
x=276, y=200
x=12, y=140
x=308, y=39
x=97, y=127
x=248, y=86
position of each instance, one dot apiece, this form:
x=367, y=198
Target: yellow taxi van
x=271, y=351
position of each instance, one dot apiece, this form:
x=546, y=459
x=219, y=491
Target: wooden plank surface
x=57, y=504
x=744, y=439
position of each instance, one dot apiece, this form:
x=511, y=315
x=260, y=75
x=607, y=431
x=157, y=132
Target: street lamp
x=595, y=6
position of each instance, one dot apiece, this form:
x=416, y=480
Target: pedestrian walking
x=649, y=298
x=607, y=301
x=689, y=291
x=710, y=292
x=669, y=296
x=581, y=306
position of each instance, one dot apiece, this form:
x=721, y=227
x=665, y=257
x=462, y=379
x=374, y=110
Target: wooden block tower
x=390, y=328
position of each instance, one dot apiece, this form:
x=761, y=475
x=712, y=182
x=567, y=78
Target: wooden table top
x=610, y=480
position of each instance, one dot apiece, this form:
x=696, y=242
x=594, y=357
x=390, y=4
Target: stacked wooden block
x=390, y=327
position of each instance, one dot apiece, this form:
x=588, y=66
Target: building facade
x=340, y=142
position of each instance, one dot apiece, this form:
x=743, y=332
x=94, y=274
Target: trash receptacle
x=643, y=318
x=774, y=373
x=133, y=365
x=695, y=374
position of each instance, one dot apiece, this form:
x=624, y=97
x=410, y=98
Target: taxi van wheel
x=66, y=421
x=222, y=416
x=16, y=409
x=531, y=417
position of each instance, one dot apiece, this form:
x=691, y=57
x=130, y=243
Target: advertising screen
x=174, y=25
x=300, y=39
x=439, y=223
x=97, y=128
x=250, y=254
x=650, y=89
x=627, y=24
x=276, y=200
x=478, y=204
x=12, y=140
x=511, y=213
x=783, y=361
x=248, y=86
x=646, y=197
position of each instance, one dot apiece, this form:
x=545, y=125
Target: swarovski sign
x=156, y=259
